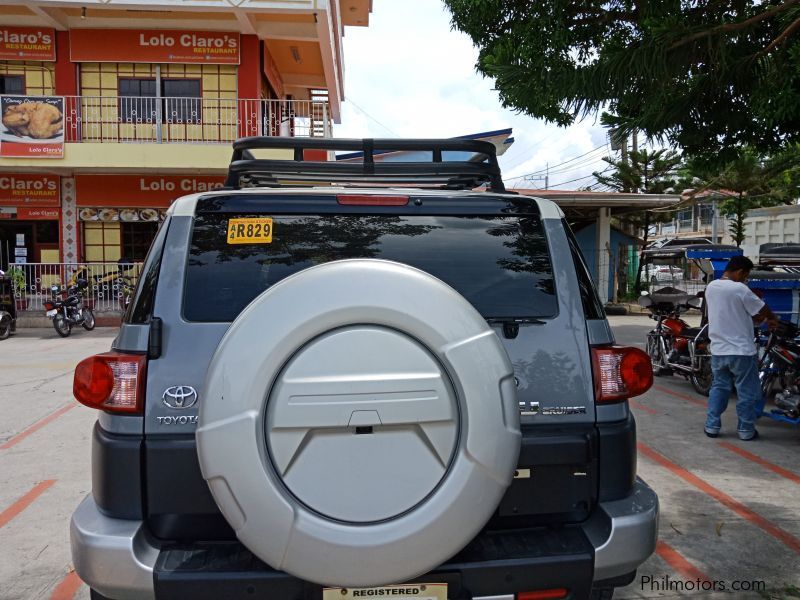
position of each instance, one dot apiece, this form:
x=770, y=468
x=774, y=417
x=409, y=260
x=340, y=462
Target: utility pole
x=545, y=177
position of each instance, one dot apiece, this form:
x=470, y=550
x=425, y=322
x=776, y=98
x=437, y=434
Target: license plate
x=254, y=230
x=52, y=313
x=411, y=591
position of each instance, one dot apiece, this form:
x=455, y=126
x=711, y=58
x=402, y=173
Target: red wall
x=249, y=82
x=66, y=78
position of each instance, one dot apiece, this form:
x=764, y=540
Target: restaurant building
x=111, y=110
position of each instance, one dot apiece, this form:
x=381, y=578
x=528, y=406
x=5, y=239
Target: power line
x=558, y=164
x=524, y=153
x=578, y=178
x=394, y=133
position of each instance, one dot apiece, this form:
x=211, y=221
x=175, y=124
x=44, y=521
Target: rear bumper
x=116, y=558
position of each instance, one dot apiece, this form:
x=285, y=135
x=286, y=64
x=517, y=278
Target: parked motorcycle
x=779, y=368
x=674, y=346
x=69, y=311
x=8, y=307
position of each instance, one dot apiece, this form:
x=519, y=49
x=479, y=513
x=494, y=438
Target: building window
x=136, y=240
x=180, y=101
x=12, y=84
x=101, y=242
x=137, y=102
x=705, y=214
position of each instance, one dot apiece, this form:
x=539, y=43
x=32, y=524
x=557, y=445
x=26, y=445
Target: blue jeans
x=741, y=371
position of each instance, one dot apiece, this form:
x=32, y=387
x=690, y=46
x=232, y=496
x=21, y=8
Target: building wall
x=39, y=76
x=779, y=225
x=102, y=107
x=597, y=258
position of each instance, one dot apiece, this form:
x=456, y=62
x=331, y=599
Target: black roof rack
x=247, y=171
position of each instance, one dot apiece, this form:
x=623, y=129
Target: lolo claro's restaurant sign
x=157, y=191
x=27, y=43
x=30, y=190
x=154, y=45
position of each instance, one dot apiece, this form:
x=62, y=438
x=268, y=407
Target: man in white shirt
x=732, y=310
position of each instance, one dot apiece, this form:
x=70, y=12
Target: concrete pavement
x=728, y=508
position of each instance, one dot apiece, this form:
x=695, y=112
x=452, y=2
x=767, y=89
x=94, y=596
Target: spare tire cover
x=359, y=423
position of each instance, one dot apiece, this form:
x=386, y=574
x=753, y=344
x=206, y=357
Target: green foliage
x=709, y=77
x=644, y=171
x=17, y=279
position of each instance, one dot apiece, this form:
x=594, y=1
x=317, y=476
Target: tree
x=752, y=181
x=709, y=77
x=645, y=171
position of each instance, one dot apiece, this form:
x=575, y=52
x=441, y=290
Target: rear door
x=511, y=262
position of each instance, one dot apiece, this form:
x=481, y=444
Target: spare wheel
x=360, y=423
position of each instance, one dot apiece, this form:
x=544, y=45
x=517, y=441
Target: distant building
x=773, y=225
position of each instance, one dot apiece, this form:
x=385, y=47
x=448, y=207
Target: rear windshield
x=500, y=264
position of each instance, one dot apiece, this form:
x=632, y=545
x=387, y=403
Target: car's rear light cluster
x=620, y=373
x=112, y=381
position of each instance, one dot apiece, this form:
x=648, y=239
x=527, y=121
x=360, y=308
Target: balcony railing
x=90, y=119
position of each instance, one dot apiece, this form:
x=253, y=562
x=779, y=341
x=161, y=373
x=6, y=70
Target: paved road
x=728, y=508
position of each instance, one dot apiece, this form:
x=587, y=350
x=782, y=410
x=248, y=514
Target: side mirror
x=695, y=302
x=645, y=301
x=645, y=293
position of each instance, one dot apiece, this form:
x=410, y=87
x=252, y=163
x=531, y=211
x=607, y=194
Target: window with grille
x=179, y=102
x=12, y=84
x=136, y=239
x=137, y=102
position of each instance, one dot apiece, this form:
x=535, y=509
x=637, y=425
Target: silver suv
x=363, y=379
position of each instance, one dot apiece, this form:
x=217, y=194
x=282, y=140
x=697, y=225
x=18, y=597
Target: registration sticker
x=251, y=230
x=409, y=591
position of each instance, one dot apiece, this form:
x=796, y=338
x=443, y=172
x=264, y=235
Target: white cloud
x=415, y=77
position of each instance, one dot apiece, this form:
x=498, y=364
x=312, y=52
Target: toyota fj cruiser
x=363, y=379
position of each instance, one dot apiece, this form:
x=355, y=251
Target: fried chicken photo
x=33, y=119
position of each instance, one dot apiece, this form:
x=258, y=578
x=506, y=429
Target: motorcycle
x=674, y=346
x=779, y=369
x=69, y=311
x=8, y=307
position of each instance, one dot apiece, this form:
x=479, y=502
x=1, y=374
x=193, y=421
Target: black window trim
x=592, y=307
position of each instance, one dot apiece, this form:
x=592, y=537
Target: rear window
x=500, y=264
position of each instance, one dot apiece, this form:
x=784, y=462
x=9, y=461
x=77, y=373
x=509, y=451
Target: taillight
x=371, y=200
x=620, y=373
x=49, y=305
x=551, y=594
x=112, y=381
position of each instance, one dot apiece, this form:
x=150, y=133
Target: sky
x=410, y=75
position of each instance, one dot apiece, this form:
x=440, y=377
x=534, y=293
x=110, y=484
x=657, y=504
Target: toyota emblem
x=180, y=397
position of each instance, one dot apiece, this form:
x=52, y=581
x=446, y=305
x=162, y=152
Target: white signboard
x=20, y=239
x=20, y=252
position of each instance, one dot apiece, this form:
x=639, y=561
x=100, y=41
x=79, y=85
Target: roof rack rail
x=482, y=168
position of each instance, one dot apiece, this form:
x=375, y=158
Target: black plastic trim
x=617, y=454
x=247, y=171
x=117, y=474
x=179, y=504
x=181, y=507
x=493, y=563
